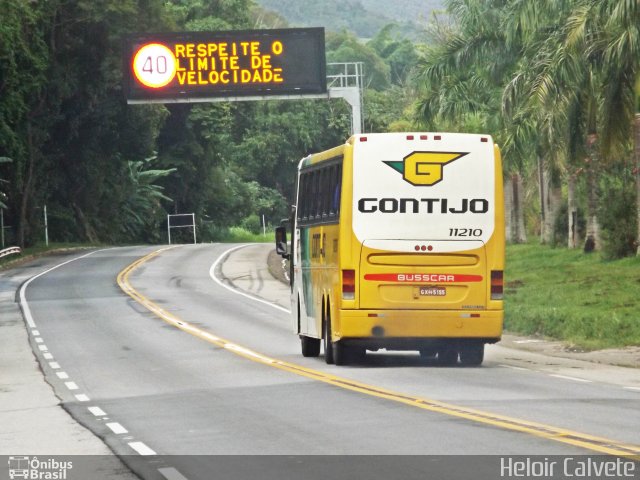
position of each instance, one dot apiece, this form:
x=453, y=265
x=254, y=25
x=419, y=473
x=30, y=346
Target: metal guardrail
x=9, y=251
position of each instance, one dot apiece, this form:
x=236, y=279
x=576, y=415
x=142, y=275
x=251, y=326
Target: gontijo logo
x=424, y=168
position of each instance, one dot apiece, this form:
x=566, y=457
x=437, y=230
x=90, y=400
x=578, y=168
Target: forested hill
x=364, y=17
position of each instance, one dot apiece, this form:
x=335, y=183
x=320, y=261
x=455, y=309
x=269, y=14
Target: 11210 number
x=465, y=232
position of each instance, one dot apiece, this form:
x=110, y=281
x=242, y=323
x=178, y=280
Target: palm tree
x=142, y=202
x=608, y=32
x=561, y=90
x=461, y=78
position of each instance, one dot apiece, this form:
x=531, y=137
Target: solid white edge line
x=575, y=379
x=171, y=473
x=141, y=448
x=23, y=288
x=116, y=428
x=633, y=389
x=219, y=282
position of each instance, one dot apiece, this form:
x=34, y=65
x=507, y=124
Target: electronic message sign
x=189, y=66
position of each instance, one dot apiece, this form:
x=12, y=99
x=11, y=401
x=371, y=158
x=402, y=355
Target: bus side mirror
x=281, y=242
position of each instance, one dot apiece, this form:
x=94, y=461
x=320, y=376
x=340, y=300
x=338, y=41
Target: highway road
x=165, y=361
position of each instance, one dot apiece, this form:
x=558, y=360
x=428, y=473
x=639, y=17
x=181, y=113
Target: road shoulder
x=33, y=421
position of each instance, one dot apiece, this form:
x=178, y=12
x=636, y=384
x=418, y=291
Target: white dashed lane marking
x=116, y=428
x=171, y=473
x=141, y=448
x=97, y=411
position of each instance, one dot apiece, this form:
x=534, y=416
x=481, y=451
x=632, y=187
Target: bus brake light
x=348, y=284
x=497, y=284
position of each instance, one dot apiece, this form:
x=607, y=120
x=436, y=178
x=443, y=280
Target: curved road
x=231, y=381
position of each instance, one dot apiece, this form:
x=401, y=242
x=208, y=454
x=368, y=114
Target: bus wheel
x=344, y=355
x=340, y=354
x=327, y=344
x=447, y=356
x=310, y=346
x=472, y=354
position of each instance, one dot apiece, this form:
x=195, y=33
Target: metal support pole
x=2, y=225
x=46, y=227
x=193, y=222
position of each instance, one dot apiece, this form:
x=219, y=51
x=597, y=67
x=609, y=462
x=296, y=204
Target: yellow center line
x=577, y=439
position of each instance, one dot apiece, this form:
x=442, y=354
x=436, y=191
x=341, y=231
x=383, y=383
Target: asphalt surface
x=149, y=389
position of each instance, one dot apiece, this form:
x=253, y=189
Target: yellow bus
x=397, y=243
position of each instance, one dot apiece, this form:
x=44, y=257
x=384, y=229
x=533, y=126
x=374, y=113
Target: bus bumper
x=406, y=329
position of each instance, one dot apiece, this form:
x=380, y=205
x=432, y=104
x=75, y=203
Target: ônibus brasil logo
x=32, y=468
x=424, y=168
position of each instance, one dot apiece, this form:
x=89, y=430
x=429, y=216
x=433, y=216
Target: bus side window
x=326, y=192
x=337, y=189
x=318, y=194
x=302, y=198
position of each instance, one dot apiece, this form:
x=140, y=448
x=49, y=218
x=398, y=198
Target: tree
x=461, y=77
x=3, y=196
x=23, y=62
x=141, y=207
x=345, y=47
x=608, y=32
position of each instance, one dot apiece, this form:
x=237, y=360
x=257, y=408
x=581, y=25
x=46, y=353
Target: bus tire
x=340, y=354
x=447, y=356
x=472, y=354
x=310, y=346
x=345, y=355
x=327, y=343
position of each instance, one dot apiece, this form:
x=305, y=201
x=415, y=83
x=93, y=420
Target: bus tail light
x=348, y=284
x=497, y=284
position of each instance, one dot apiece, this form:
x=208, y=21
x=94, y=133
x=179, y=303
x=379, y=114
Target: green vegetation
x=110, y=172
x=567, y=295
x=365, y=18
x=556, y=84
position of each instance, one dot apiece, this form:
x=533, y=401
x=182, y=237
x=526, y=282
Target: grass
x=240, y=235
x=571, y=296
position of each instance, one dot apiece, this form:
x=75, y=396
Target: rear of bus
x=422, y=256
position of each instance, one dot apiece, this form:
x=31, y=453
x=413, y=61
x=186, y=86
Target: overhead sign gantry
x=207, y=66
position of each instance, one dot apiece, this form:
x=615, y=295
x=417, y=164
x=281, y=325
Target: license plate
x=433, y=291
